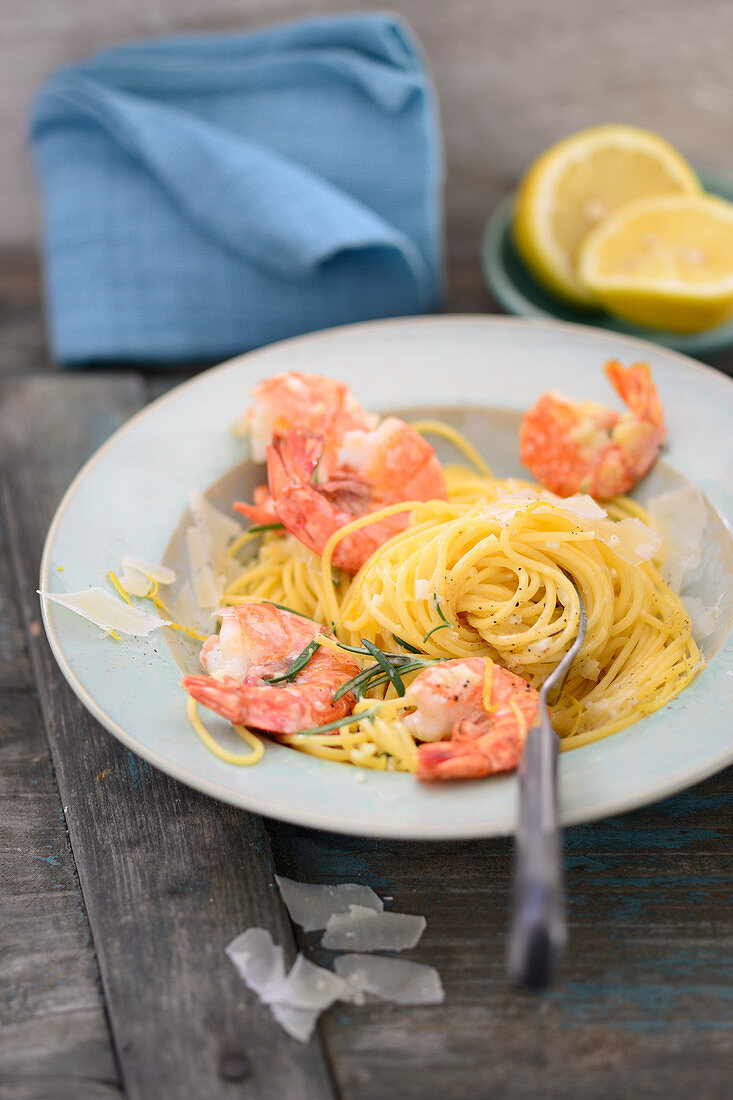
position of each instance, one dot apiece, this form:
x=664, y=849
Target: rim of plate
x=250, y=801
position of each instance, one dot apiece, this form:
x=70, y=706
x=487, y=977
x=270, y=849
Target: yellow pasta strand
x=256, y=745
x=478, y=576
x=459, y=441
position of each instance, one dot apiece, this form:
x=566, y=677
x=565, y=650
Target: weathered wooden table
x=121, y=887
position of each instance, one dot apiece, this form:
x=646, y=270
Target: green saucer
x=511, y=284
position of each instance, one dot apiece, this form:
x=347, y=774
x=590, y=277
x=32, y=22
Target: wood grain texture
x=510, y=77
x=53, y=1030
x=169, y=876
x=642, y=1006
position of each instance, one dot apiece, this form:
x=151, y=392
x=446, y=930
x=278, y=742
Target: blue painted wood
x=643, y=1004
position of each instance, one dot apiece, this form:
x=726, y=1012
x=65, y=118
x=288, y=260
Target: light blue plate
x=482, y=373
x=518, y=292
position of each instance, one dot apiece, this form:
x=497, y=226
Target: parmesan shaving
x=396, y=980
x=308, y=986
x=136, y=575
x=295, y=1000
x=298, y=1022
x=207, y=542
x=704, y=619
x=311, y=905
x=631, y=539
x=422, y=589
x=363, y=929
x=681, y=515
x=259, y=961
x=107, y=612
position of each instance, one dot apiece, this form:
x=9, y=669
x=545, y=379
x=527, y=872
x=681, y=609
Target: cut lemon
x=665, y=261
x=578, y=182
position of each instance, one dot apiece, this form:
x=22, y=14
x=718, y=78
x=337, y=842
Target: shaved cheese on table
x=312, y=904
x=298, y=1022
x=259, y=961
x=296, y=999
x=308, y=986
x=363, y=929
x=397, y=980
x=107, y=612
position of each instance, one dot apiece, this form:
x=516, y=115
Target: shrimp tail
x=263, y=509
x=277, y=710
x=221, y=695
x=636, y=389
x=481, y=743
x=444, y=760
x=292, y=460
x=294, y=454
x=257, y=513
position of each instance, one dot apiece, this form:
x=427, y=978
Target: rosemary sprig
x=441, y=626
x=355, y=683
x=295, y=667
x=405, y=645
x=397, y=658
x=380, y=677
x=259, y=527
x=347, y=721
x=375, y=675
x=439, y=609
x=388, y=668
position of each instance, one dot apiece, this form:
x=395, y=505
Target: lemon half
x=578, y=182
x=665, y=261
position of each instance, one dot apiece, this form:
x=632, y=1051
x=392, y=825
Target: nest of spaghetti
x=494, y=573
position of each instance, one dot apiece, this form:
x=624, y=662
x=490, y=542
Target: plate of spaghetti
x=335, y=572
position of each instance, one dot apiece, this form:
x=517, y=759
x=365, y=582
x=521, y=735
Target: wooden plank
x=51, y=1010
x=53, y=1026
x=40, y=1087
x=169, y=876
x=15, y=668
x=642, y=1005
x=22, y=328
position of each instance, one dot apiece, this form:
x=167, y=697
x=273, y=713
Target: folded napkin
x=204, y=195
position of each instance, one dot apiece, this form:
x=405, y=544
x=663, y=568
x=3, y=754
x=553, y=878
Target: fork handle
x=537, y=932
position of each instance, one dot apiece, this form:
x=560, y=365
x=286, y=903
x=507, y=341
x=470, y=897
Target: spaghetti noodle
x=493, y=571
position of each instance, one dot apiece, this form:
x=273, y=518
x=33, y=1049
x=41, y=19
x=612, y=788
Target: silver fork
x=538, y=933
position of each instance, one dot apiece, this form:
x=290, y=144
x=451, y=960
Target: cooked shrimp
x=386, y=465
x=292, y=400
x=258, y=641
x=586, y=448
x=449, y=698
x=263, y=509
x=307, y=401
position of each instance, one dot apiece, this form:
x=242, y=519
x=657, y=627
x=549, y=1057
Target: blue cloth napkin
x=204, y=195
